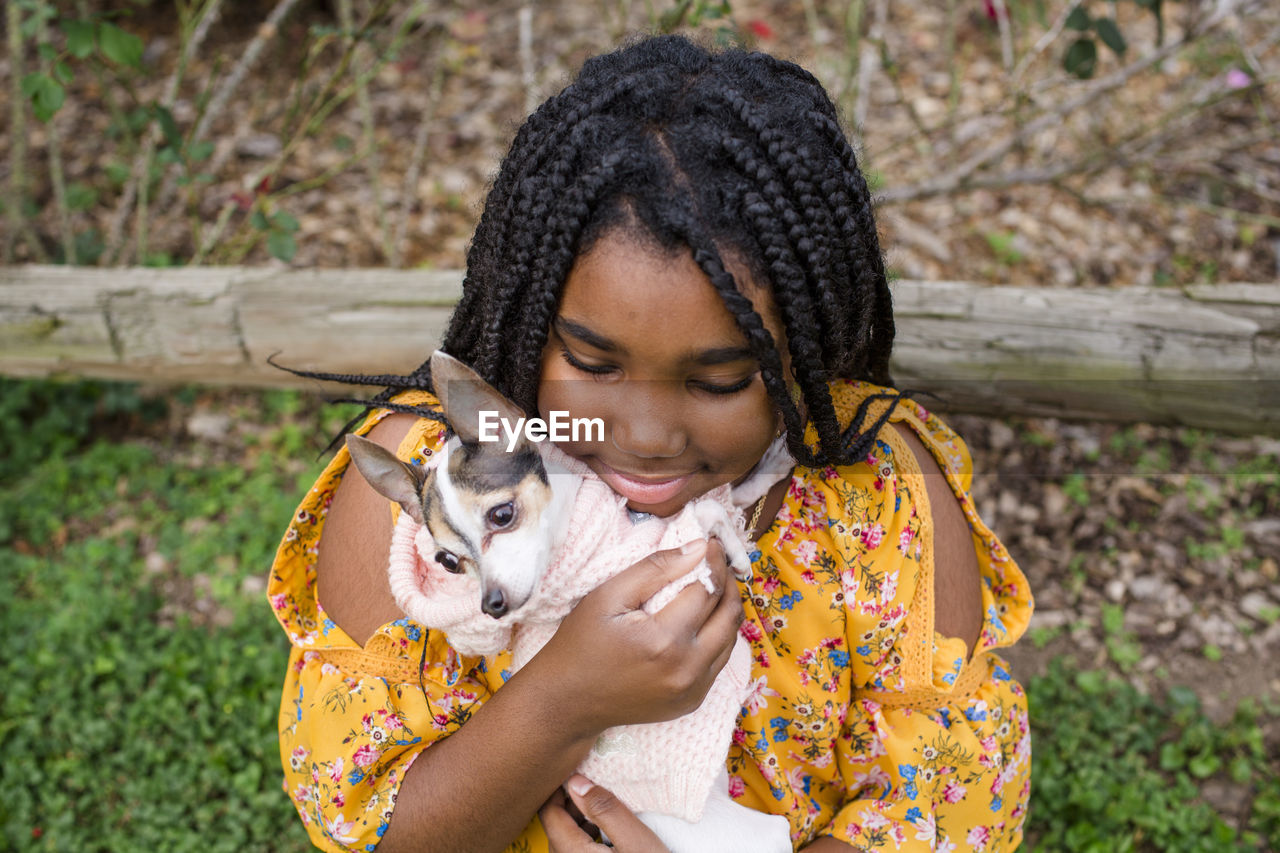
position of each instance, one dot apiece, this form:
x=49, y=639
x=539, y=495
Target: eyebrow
x=705, y=358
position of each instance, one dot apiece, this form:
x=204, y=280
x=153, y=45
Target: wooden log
x=1204, y=356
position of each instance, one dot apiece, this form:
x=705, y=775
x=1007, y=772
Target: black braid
x=730, y=155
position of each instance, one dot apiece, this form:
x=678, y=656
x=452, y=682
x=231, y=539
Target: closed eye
x=593, y=369
x=713, y=388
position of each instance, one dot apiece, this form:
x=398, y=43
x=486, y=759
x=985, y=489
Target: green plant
x=1002, y=246
x=1122, y=646
x=161, y=162
x=1081, y=56
x=1076, y=487
x=1118, y=769
x=1041, y=636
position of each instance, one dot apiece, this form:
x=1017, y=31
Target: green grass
x=129, y=723
x=142, y=666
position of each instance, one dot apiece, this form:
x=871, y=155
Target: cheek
x=738, y=431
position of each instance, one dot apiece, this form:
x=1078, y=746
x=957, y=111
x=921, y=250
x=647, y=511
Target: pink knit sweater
x=660, y=767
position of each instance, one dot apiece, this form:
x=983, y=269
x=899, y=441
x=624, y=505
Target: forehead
x=628, y=289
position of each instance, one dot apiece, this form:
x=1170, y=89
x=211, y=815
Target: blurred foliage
x=1115, y=769
x=143, y=666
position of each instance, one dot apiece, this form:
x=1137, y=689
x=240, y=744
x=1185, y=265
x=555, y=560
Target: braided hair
x=721, y=154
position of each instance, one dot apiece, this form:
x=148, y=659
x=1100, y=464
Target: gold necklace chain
x=755, y=516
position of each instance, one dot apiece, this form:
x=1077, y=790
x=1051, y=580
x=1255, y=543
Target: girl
x=681, y=244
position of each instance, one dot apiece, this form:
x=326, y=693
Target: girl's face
x=643, y=342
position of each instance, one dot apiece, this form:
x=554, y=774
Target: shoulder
x=336, y=548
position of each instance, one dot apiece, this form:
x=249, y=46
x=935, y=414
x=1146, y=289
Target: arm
x=609, y=664
x=957, y=589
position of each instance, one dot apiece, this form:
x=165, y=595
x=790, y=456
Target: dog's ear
x=464, y=395
x=391, y=478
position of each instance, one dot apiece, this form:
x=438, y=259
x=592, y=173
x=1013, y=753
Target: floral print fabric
x=863, y=723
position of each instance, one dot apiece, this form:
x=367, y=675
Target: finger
x=721, y=626
x=641, y=581
x=693, y=604
x=563, y=832
x=621, y=826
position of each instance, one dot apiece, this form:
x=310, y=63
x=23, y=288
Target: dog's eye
x=449, y=561
x=502, y=514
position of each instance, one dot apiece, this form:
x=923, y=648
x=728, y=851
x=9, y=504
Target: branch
x=266, y=31
x=56, y=178
x=852, y=60
x=136, y=189
x=525, y=26
x=961, y=177
x=1006, y=33
x=324, y=103
x=373, y=165
x=868, y=61
x=409, y=191
x=1044, y=41
x=17, y=130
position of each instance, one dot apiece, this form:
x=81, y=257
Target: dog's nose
x=495, y=603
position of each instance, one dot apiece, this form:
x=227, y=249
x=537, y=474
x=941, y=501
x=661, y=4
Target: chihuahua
x=500, y=513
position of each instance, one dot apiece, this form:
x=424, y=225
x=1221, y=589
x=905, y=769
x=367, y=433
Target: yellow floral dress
x=863, y=723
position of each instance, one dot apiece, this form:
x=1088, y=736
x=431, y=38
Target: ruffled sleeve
x=353, y=718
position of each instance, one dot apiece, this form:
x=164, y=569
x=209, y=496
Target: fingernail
x=693, y=547
x=578, y=785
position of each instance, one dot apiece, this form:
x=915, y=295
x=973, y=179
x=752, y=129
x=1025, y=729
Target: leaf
x=117, y=173
x=1171, y=757
x=62, y=72
x=284, y=221
x=81, y=196
x=1078, y=19
x=1081, y=58
x=122, y=48
x=1110, y=34
x=45, y=93
x=169, y=127
x=1204, y=764
x=199, y=151
x=281, y=245
x=79, y=37
x=259, y=220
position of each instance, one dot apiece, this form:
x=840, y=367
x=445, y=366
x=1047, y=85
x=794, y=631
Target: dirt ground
x=1153, y=551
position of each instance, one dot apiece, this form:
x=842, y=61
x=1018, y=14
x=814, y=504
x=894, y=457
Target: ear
x=463, y=395
x=391, y=478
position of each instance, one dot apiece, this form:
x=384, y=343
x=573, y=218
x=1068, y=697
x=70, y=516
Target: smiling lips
x=644, y=492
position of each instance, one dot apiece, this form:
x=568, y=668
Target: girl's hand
x=567, y=821
x=617, y=665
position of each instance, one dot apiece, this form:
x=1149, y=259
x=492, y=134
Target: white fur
x=726, y=827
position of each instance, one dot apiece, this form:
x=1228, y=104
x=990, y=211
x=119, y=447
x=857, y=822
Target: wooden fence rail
x=1205, y=356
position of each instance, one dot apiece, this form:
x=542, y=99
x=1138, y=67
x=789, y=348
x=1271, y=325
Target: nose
x=646, y=430
x=494, y=603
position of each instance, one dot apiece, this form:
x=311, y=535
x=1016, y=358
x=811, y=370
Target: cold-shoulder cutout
x=957, y=581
